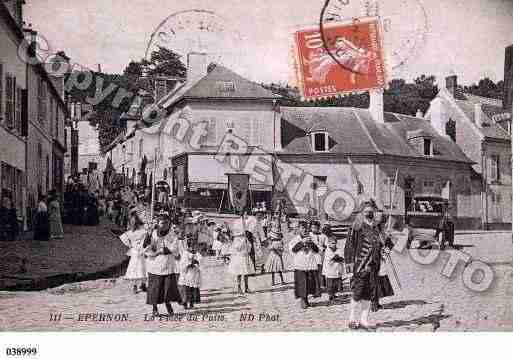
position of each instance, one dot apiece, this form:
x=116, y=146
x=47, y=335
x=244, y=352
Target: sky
x=463, y=37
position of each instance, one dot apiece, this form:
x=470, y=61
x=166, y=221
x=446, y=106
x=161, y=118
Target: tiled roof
x=490, y=107
x=354, y=131
x=490, y=128
x=345, y=132
x=220, y=82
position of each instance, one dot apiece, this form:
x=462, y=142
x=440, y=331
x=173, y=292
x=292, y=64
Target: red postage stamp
x=351, y=61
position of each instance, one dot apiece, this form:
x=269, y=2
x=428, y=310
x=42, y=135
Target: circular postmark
x=404, y=25
x=197, y=31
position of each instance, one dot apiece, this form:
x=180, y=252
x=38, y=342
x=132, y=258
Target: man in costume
x=306, y=278
x=363, y=257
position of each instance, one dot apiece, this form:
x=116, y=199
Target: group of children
x=317, y=258
x=166, y=258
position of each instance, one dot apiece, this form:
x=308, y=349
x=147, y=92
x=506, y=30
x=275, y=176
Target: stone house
x=480, y=126
x=13, y=108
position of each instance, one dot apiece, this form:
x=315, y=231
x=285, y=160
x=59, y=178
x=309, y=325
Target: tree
x=164, y=62
x=487, y=88
x=134, y=70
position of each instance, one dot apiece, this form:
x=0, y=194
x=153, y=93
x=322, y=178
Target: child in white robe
x=333, y=267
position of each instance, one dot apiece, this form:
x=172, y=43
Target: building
x=481, y=127
x=46, y=143
x=333, y=145
x=32, y=114
x=13, y=108
x=218, y=123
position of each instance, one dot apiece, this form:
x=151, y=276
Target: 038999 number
x=20, y=351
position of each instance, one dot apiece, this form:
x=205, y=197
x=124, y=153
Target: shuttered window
x=495, y=174
x=258, y=132
x=211, y=132
x=1, y=92
x=10, y=97
x=41, y=101
x=19, y=96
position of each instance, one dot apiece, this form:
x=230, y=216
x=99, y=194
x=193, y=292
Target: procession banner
x=238, y=186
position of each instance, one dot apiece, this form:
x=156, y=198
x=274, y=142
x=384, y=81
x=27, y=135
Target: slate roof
x=210, y=86
x=354, y=131
x=490, y=107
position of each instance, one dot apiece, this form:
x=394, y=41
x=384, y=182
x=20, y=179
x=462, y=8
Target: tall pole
x=154, y=170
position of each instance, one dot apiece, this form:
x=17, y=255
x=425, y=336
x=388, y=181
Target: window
x=427, y=147
x=47, y=172
x=141, y=148
x=17, y=119
x=41, y=101
x=57, y=119
x=320, y=141
x=226, y=86
x=450, y=129
x=51, y=113
x=258, y=132
x=211, y=139
x=10, y=98
x=495, y=173
x=319, y=181
x=1, y=91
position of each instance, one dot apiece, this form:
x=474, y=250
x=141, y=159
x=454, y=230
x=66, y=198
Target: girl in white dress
x=217, y=245
x=189, y=282
x=134, y=239
x=241, y=264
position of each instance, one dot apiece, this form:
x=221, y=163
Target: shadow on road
x=343, y=299
x=274, y=290
x=227, y=299
x=212, y=308
x=433, y=319
x=403, y=303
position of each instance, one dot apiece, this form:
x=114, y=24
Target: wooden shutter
x=19, y=96
x=212, y=132
x=1, y=91
x=9, y=101
x=24, y=113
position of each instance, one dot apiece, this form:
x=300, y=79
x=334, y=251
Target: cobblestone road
x=83, y=250
x=429, y=301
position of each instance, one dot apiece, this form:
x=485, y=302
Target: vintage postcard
x=199, y=166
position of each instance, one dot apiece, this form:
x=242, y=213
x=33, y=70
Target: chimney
x=31, y=39
x=376, y=106
x=478, y=115
x=419, y=114
x=451, y=83
x=196, y=65
x=508, y=79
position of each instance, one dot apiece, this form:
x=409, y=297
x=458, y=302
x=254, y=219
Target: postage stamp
x=352, y=61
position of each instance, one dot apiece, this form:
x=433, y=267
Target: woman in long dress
x=41, y=225
x=54, y=217
x=241, y=265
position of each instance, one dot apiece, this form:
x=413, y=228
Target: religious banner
x=238, y=185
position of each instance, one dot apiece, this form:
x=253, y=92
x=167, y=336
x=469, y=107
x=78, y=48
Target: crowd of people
x=166, y=257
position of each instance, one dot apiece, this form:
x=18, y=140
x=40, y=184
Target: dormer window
x=320, y=141
x=421, y=141
x=427, y=147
